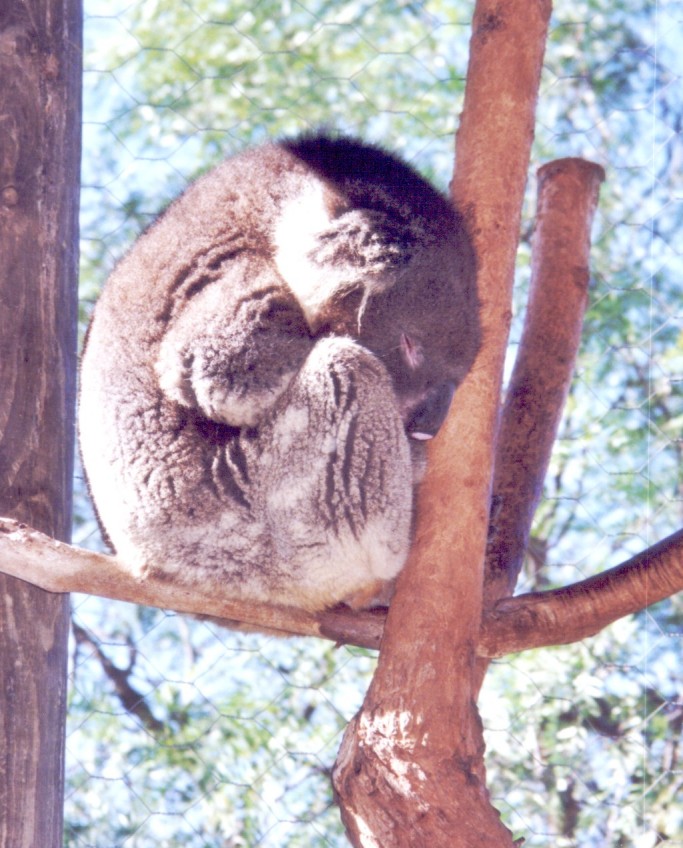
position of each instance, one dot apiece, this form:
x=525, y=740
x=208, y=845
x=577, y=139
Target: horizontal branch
x=56, y=567
x=561, y=616
x=539, y=619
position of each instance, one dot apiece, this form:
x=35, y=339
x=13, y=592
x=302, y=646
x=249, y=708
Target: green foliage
x=238, y=733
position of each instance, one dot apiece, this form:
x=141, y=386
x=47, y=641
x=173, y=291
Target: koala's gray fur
x=262, y=364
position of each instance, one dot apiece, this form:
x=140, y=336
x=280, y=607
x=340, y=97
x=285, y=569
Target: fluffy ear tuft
x=325, y=248
x=296, y=238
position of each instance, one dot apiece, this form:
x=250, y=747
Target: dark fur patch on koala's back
x=213, y=432
x=345, y=161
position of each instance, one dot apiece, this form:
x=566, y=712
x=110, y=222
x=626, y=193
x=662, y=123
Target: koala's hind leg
x=337, y=481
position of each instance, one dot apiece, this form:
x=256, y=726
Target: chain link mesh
x=182, y=734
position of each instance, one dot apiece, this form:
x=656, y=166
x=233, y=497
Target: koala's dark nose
x=425, y=419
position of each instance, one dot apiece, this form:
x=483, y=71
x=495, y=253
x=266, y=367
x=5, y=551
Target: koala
x=264, y=367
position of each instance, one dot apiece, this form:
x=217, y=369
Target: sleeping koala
x=264, y=366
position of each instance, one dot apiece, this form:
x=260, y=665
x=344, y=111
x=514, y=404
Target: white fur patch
x=296, y=237
x=350, y=565
x=291, y=426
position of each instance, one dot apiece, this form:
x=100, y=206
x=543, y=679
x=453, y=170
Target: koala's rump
x=307, y=510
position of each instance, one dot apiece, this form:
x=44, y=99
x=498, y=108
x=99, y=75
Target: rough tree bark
x=40, y=69
x=410, y=768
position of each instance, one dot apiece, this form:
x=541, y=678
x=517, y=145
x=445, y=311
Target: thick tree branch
x=410, y=768
x=40, y=133
x=567, y=198
x=56, y=567
x=578, y=611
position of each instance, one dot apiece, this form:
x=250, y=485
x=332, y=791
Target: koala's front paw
x=233, y=367
x=220, y=389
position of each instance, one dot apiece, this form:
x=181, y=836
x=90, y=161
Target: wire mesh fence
x=184, y=734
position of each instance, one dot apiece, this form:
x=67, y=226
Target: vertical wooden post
x=40, y=114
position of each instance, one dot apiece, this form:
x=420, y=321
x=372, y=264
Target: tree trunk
x=410, y=770
x=40, y=69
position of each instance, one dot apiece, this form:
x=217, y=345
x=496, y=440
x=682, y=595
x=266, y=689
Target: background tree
x=40, y=67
